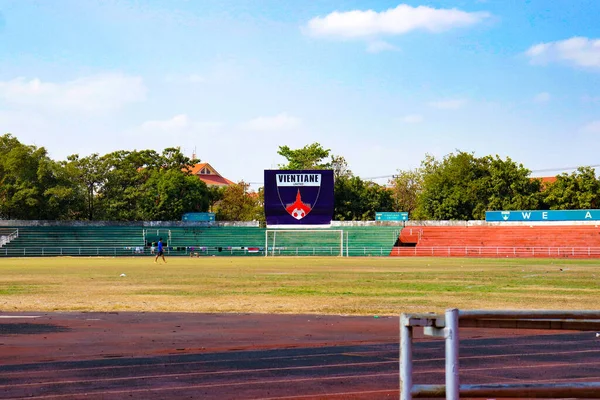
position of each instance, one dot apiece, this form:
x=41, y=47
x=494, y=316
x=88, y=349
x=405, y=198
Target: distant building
x=209, y=175
x=546, y=180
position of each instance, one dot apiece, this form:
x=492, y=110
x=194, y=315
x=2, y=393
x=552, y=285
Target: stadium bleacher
x=205, y=240
x=576, y=241
x=74, y=240
x=581, y=241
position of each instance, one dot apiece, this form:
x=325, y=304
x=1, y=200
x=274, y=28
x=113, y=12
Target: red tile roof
x=212, y=179
x=215, y=180
x=547, y=179
x=195, y=170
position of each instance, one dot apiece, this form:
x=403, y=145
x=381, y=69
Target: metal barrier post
x=406, y=335
x=451, y=334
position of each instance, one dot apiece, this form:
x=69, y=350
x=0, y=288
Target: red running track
x=255, y=356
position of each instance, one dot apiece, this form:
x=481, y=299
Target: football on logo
x=298, y=213
x=298, y=209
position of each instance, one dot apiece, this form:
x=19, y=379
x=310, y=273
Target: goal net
x=304, y=242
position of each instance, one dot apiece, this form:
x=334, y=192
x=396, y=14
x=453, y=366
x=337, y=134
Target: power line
x=565, y=168
x=535, y=170
x=370, y=178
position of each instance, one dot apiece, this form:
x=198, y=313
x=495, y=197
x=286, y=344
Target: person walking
x=160, y=251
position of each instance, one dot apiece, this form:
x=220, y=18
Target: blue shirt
x=160, y=246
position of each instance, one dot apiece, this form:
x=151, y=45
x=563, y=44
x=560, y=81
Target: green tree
x=358, y=200
x=215, y=194
x=240, y=204
x=340, y=167
x=449, y=187
x=66, y=200
x=406, y=187
x=309, y=157
x=32, y=185
x=170, y=193
x=578, y=190
x=463, y=187
x=147, y=185
x=509, y=187
x=123, y=190
x=90, y=173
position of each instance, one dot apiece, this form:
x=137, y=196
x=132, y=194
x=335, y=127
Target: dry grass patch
x=361, y=286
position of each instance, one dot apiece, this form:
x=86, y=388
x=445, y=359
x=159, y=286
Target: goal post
x=304, y=242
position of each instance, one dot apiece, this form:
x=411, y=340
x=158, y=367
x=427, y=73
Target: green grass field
x=354, y=286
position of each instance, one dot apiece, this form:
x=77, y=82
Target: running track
x=253, y=356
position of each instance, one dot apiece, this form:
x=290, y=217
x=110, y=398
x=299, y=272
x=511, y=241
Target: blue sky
x=381, y=83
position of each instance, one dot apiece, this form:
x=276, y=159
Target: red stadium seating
x=577, y=241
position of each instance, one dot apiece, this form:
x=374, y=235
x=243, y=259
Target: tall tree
x=170, y=193
x=66, y=200
x=340, y=167
x=240, y=204
x=123, y=190
x=406, y=187
x=215, y=194
x=139, y=184
x=358, y=200
x=463, y=187
x=508, y=187
x=30, y=185
x=578, y=190
x=90, y=173
x=449, y=187
x=309, y=157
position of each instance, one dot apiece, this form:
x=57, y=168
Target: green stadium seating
x=90, y=240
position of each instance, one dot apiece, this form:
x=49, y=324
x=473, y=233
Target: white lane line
x=190, y=374
x=217, y=385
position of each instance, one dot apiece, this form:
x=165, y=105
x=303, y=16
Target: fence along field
x=319, y=285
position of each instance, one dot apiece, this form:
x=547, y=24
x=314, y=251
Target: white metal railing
x=6, y=238
x=447, y=326
x=72, y=251
x=352, y=251
x=497, y=251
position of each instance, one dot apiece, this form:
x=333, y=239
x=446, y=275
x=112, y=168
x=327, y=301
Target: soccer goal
x=304, y=242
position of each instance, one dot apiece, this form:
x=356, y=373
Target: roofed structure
x=547, y=179
x=209, y=175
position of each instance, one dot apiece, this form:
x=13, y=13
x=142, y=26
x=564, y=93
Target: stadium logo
x=298, y=193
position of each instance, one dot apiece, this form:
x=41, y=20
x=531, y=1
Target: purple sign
x=298, y=198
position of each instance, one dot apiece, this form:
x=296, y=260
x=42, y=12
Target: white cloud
x=24, y=125
x=590, y=99
x=180, y=121
x=593, y=127
x=98, y=93
x=221, y=71
x=576, y=51
x=177, y=124
x=280, y=122
x=179, y=131
x=412, y=119
x=543, y=97
x=379, y=45
x=394, y=21
x=453, y=104
x=195, y=78
x=190, y=78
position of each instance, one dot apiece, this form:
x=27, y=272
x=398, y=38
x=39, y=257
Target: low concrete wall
x=341, y=224
x=149, y=224
x=502, y=223
x=367, y=223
